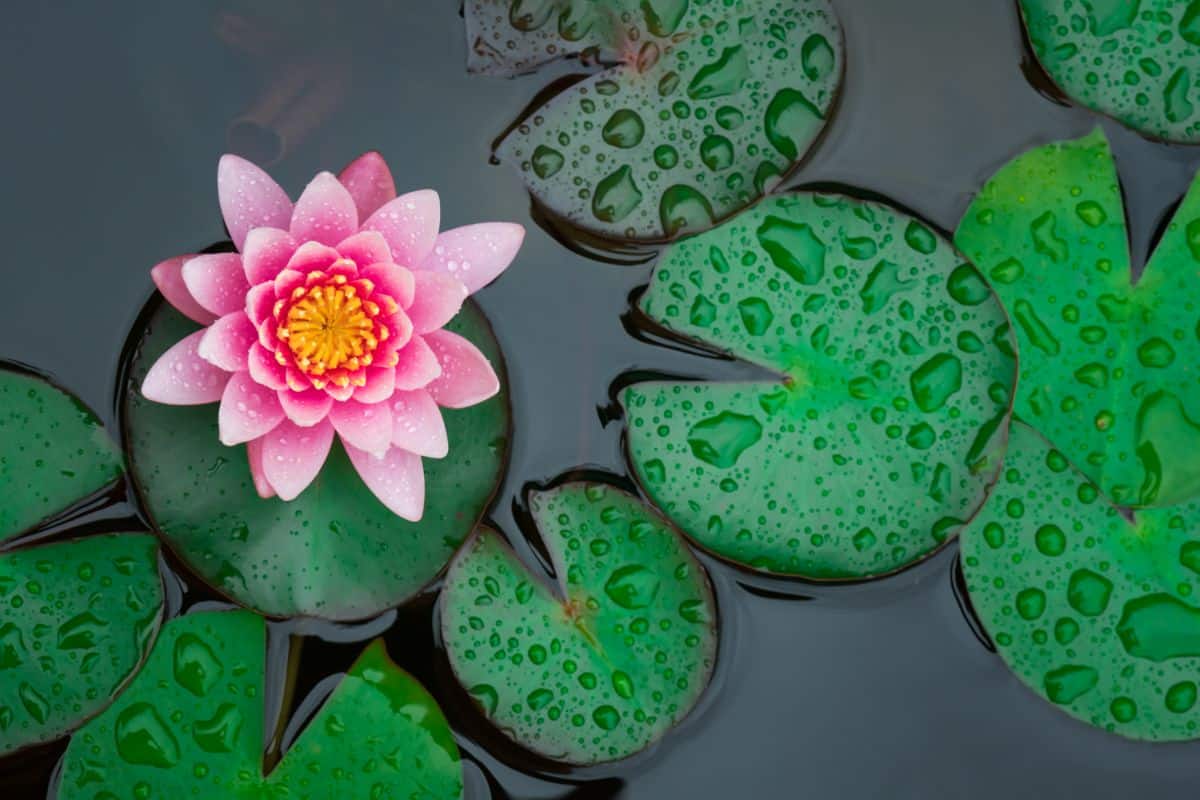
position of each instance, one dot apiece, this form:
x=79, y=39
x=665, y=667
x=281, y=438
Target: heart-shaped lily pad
x=886, y=424
x=605, y=662
x=1097, y=614
x=191, y=725
x=335, y=551
x=1108, y=368
x=706, y=105
x=1135, y=60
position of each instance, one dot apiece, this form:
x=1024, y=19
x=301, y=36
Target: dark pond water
x=115, y=115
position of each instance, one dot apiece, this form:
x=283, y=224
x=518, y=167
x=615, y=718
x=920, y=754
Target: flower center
x=330, y=327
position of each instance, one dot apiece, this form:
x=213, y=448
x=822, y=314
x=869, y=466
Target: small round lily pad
x=706, y=105
x=604, y=662
x=335, y=551
x=1135, y=60
x=886, y=422
x=191, y=725
x=1099, y=615
x=1107, y=366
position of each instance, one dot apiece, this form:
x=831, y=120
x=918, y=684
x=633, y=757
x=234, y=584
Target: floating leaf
x=1135, y=60
x=887, y=422
x=705, y=107
x=1098, y=615
x=335, y=551
x=1107, y=367
x=191, y=725
x=602, y=664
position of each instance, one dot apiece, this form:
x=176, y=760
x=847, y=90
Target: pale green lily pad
x=606, y=661
x=1135, y=60
x=1108, y=368
x=1099, y=615
x=706, y=106
x=335, y=551
x=191, y=725
x=886, y=423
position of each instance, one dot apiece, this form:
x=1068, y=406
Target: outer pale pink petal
x=325, y=213
x=475, y=254
x=436, y=300
x=410, y=225
x=418, y=365
x=181, y=377
x=417, y=424
x=392, y=280
x=265, y=369
x=227, y=342
x=467, y=378
x=367, y=427
x=305, y=408
x=217, y=281
x=266, y=253
x=397, y=479
x=168, y=277
x=254, y=450
x=369, y=182
x=381, y=382
x=248, y=410
x=292, y=456
x=364, y=248
x=249, y=199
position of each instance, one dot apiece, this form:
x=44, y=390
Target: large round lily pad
x=1135, y=60
x=886, y=423
x=604, y=662
x=1097, y=614
x=335, y=551
x=705, y=106
x=191, y=725
x=1108, y=368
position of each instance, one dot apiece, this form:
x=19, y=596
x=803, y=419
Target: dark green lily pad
x=887, y=421
x=704, y=109
x=603, y=663
x=1108, y=368
x=335, y=551
x=191, y=725
x=1135, y=60
x=1099, y=615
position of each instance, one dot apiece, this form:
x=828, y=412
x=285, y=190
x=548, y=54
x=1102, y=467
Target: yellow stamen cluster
x=331, y=329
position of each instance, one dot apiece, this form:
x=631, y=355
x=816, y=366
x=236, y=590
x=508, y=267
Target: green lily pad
x=335, y=551
x=706, y=105
x=886, y=423
x=606, y=661
x=1097, y=614
x=1135, y=60
x=1107, y=367
x=191, y=725
x=76, y=620
x=53, y=452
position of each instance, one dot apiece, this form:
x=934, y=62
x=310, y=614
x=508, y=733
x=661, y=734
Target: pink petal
x=417, y=424
x=217, y=281
x=265, y=369
x=369, y=182
x=397, y=479
x=181, y=377
x=248, y=410
x=260, y=302
x=254, y=450
x=367, y=427
x=394, y=281
x=309, y=257
x=437, y=298
x=467, y=378
x=266, y=253
x=418, y=365
x=340, y=393
x=475, y=254
x=249, y=199
x=381, y=383
x=227, y=342
x=305, y=408
x=287, y=281
x=365, y=248
x=292, y=456
x=168, y=277
x=325, y=212
x=410, y=225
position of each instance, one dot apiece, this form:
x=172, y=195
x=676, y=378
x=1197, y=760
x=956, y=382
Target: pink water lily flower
x=329, y=318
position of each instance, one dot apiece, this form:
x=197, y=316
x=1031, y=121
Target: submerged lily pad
x=603, y=663
x=887, y=421
x=705, y=107
x=1135, y=60
x=333, y=552
x=191, y=725
x=1107, y=367
x=1099, y=615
